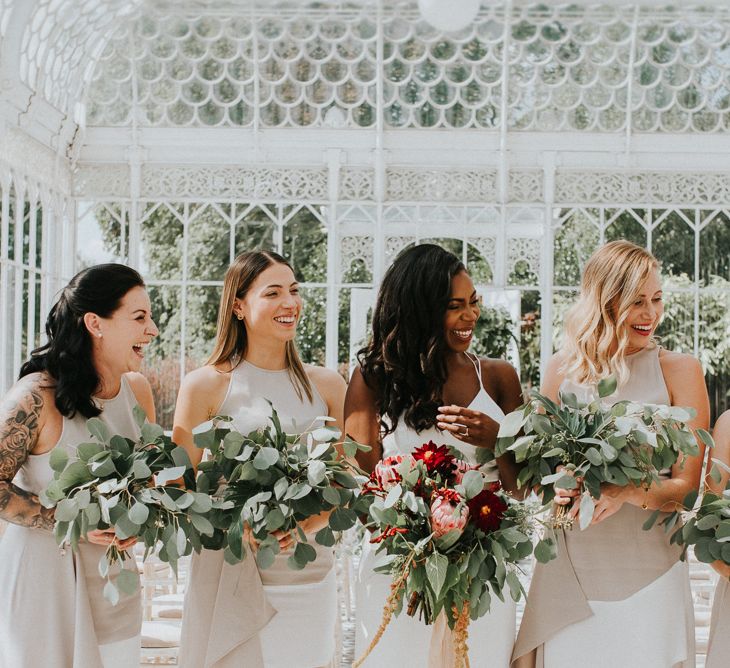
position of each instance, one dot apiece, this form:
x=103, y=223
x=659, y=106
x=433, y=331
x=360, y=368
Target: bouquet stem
x=561, y=518
x=461, y=634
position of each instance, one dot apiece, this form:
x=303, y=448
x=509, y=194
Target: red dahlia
x=437, y=458
x=486, y=510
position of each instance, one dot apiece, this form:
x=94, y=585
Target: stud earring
x=99, y=334
x=239, y=316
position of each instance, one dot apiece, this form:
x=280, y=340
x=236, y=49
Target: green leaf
x=85, y=451
x=436, y=567
x=232, y=444
x=305, y=552
x=393, y=496
x=325, y=537
x=546, y=550
x=706, y=438
x=515, y=588
x=111, y=593
x=473, y=483
x=138, y=513
x=98, y=428
x=275, y=519
x=58, y=459
x=140, y=417
x=341, y=519
x=316, y=472
x=151, y=432
x=607, y=386
x=169, y=474
x=587, y=508
x=202, y=503
x=280, y=487
x=265, y=557
x=128, y=581
x=512, y=424
x=265, y=458
x=140, y=470
x=651, y=521
x=66, y=510
x=202, y=524
x=593, y=456
x=331, y=495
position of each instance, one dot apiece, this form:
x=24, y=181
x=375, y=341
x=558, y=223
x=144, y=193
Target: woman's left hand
x=468, y=425
x=612, y=498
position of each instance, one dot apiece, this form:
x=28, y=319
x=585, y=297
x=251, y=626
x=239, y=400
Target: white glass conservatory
x=173, y=134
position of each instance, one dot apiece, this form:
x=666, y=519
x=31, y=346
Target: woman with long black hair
x=416, y=382
x=52, y=609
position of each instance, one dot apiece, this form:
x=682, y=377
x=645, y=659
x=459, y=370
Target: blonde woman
x=618, y=595
x=234, y=615
x=718, y=649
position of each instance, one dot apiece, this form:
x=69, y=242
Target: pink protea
x=461, y=468
x=444, y=516
x=386, y=470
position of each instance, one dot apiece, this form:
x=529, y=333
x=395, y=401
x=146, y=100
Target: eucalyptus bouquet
x=449, y=539
x=705, y=527
x=273, y=481
x=625, y=443
x=115, y=482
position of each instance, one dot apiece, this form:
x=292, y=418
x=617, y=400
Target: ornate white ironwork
x=605, y=186
x=357, y=183
x=297, y=184
x=439, y=185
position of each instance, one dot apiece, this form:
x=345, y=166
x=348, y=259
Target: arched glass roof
x=522, y=66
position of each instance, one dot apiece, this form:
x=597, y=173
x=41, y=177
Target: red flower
x=487, y=509
x=437, y=458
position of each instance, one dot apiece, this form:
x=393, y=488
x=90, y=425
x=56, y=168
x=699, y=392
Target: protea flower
x=386, y=473
x=444, y=514
x=437, y=458
x=461, y=468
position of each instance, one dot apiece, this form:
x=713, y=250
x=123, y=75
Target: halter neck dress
x=52, y=608
x=407, y=640
x=276, y=617
x=615, y=593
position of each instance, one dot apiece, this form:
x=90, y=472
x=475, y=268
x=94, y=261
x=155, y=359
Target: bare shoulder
x=206, y=379
x=721, y=430
x=139, y=384
x=497, y=368
x=678, y=363
x=327, y=380
x=34, y=391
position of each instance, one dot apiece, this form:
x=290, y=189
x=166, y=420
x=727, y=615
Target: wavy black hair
x=405, y=362
x=66, y=356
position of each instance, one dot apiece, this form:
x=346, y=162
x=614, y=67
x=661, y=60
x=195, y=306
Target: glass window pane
x=161, y=243
x=209, y=244
x=305, y=245
x=676, y=331
x=255, y=229
x=715, y=251
x=673, y=243
x=100, y=232
x=311, y=331
x=575, y=240
x=626, y=225
x=162, y=357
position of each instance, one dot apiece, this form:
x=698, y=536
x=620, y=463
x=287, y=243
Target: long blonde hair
x=231, y=340
x=595, y=340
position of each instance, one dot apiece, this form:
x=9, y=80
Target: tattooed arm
x=20, y=426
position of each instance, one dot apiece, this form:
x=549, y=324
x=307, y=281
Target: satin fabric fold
x=718, y=647
x=586, y=570
x=61, y=616
x=225, y=608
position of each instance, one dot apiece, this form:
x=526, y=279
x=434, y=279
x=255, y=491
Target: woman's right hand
x=564, y=497
x=722, y=568
x=107, y=537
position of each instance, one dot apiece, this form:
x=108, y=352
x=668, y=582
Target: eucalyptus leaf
x=111, y=593
x=99, y=429
x=473, y=483
x=436, y=566
x=128, y=581
x=265, y=458
x=607, y=386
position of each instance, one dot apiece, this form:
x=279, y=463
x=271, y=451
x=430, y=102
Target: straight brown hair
x=231, y=341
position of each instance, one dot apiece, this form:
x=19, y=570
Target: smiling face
x=272, y=305
x=462, y=313
x=645, y=313
x=125, y=333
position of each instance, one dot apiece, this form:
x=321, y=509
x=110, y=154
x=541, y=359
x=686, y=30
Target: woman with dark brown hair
x=235, y=615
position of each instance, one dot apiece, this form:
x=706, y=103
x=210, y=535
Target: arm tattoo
x=19, y=425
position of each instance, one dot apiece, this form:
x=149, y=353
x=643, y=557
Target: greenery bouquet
x=706, y=527
x=115, y=482
x=272, y=481
x=625, y=443
x=449, y=538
